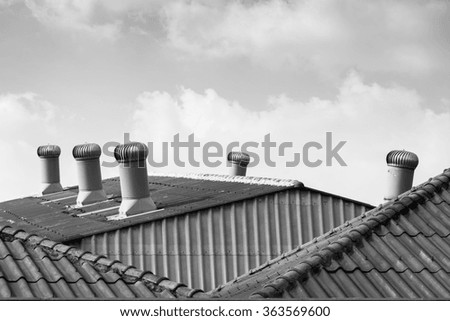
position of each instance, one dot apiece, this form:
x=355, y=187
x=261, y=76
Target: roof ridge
x=282, y=182
x=102, y=263
x=332, y=244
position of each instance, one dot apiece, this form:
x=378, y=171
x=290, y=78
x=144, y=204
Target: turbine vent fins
x=403, y=159
x=239, y=157
x=86, y=151
x=49, y=151
x=131, y=152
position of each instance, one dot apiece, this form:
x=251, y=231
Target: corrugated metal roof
x=55, y=216
x=398, y=250
x=34, y=267
x=209, y=247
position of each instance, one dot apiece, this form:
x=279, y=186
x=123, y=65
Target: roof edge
x=234, y=179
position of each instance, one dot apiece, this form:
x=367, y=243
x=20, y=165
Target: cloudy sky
x=375, y=74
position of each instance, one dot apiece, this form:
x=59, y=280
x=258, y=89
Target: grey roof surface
x=399, y=250
x=56, y=217
x=38, y=268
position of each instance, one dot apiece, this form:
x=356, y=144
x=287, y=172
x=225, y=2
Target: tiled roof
x=35, y=267
x=55, y=216
x=399, y=250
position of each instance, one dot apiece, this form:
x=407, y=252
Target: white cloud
x=101, y=19
x=329, y=36
x=27, y=121
x=20, y=111
x=76, y=15
x=372, y=119
x=325, y=35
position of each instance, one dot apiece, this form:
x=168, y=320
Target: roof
x=210, y=229
x=401, y=249
x=212, y=246
x=35, y=267
x=56, y=216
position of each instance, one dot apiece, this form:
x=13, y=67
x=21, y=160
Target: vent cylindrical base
x=134, y=188
x=237, y=169
x=399, y=181
x=90, y=182
x=50, y=176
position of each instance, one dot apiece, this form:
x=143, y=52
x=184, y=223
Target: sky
x=375, y=74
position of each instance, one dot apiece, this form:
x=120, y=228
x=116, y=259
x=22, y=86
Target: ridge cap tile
x=24, y=236
x=279, y=284
x=48, y=243
x=77, y=252
x=171, y=285
x=8, y=230
x=272, y=291
x=291, y=275
x=34, y=240
x=418, y=196
x=346, y=242
x=436, y=183
x=408, y=202
x=120, y=267
x=153, y=278
x=135, y=273
x=263, y=293
x=61, y=248
x=428, y=188
x=89, y=257
x=187, y=292
x=2, y=227
x=443, y=179
x=355, y=235
x=106, y=262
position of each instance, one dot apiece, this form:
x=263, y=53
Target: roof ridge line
x=390, y=269
x=101, y=262
x=282, y=182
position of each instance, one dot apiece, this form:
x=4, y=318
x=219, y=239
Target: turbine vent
x=49, y=156
x=90, y=188
x=238, y=162
x=133, y=179
x=401, y=166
